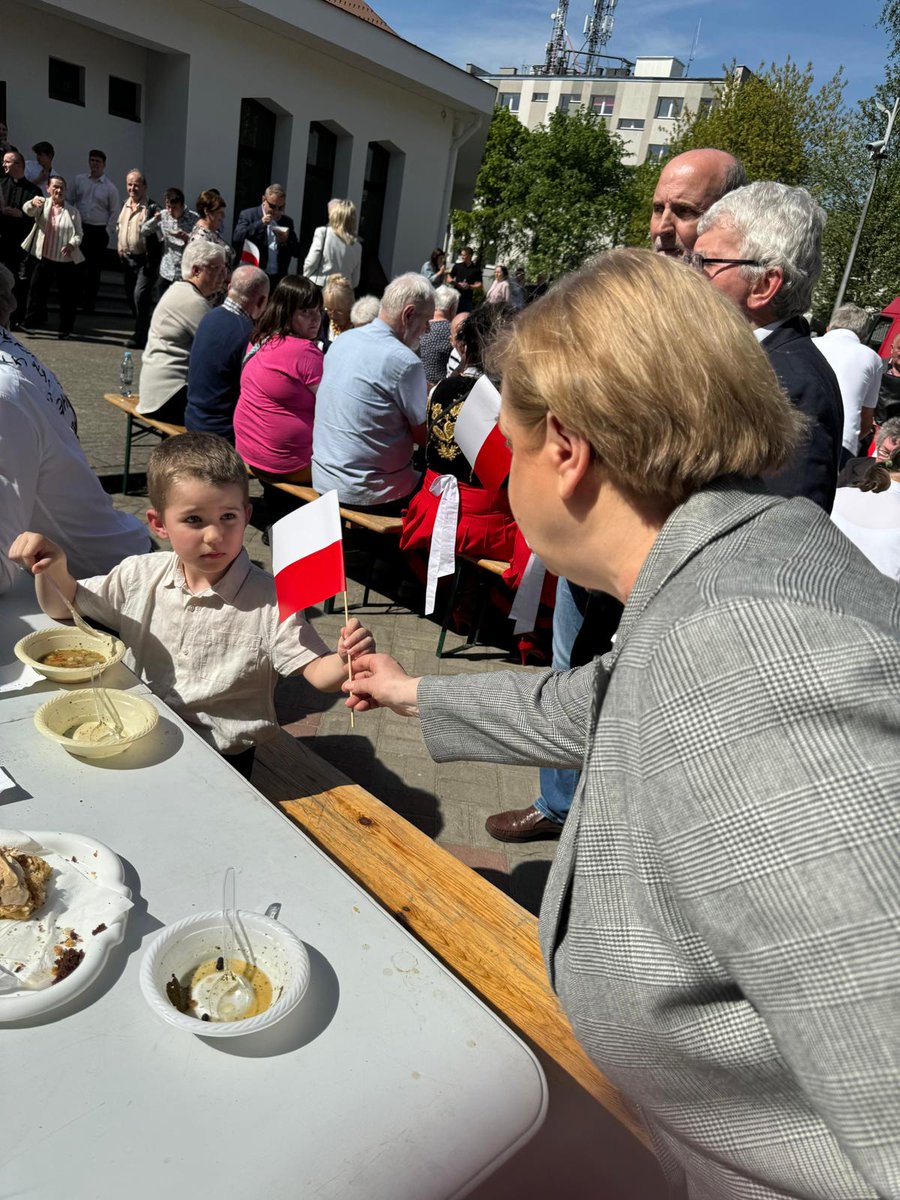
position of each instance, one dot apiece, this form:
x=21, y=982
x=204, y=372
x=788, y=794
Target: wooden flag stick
x=349, y=660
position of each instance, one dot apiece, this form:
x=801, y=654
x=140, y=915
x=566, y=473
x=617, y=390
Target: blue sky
x=495, y=33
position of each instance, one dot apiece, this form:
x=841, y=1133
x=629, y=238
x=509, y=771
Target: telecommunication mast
x=598, y=28
x=556, y=60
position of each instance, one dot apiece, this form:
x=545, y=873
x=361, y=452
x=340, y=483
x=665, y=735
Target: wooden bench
x=137, y=427
x=487, y=939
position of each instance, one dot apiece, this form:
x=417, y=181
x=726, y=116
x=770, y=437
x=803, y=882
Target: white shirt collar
x=764, y=330
x=227, y=587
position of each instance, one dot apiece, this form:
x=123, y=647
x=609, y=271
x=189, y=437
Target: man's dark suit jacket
x=14, y=230
x=813, y=388
x=250, y=226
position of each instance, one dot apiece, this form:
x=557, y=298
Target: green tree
x=549, y=198
x=483, y=226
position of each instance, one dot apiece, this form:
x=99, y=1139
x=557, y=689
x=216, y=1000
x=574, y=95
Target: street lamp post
x=877, y=154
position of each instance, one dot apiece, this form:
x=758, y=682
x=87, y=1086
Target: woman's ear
x=571, y=454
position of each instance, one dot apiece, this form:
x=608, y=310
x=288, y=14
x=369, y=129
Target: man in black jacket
x=270, y=231
x=761, y=246
x=15, y=191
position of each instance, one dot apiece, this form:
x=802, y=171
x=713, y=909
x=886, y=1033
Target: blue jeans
x=558, y=785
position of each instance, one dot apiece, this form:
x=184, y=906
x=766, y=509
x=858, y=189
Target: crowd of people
x=717, y=735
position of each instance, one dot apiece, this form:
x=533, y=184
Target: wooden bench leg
x=129, y=425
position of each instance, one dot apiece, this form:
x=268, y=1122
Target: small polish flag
x=308, y=555
x=478, y=435
x=249, y=254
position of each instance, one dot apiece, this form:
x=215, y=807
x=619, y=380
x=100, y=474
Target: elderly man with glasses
x=762, y=247
x=271, y=232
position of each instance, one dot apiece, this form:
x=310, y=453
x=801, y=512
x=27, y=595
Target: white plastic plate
x=93, y=857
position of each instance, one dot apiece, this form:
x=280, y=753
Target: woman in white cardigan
x=55, y=241
x=335, y=249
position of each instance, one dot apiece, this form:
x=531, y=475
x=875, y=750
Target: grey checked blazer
x=722, y=921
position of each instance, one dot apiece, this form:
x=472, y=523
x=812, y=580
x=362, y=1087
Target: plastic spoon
x=100, y=731
x=76, y=616
x=230, y=994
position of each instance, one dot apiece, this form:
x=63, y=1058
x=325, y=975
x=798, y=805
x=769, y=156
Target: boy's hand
x=355, y=640
x=36, y=553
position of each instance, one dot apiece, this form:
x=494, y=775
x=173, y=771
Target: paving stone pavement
x=385, y=753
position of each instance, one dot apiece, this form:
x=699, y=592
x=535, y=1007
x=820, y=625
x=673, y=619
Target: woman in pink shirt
x=273, y=421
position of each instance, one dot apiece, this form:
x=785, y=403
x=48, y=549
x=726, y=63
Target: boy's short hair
x=203, y=456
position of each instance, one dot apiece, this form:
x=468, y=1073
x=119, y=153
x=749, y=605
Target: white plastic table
x=390, y=1081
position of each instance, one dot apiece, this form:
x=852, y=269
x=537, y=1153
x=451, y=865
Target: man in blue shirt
x=217, y=354
x=371, y=404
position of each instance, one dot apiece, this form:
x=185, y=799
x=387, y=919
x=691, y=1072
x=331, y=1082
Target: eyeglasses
x=277, y=207
x=700, y=262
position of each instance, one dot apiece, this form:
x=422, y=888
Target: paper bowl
x=59, y=714
x=180, y=948
x=34, y=646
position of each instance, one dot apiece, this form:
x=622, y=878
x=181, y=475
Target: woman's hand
x=380, y=682
x=355, y=640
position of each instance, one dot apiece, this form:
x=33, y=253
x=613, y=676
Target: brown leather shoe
x=522, y=825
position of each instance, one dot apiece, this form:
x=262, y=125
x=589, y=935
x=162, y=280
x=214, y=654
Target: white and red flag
x=478, y=435
x=308, y=555
x=249, y=254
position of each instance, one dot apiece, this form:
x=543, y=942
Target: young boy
x=201, y=623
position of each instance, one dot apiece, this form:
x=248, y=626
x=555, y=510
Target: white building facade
x=641, y=107
x=317, y=94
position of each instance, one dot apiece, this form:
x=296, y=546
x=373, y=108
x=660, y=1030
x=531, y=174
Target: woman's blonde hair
x=342, y=220
x=661, y=374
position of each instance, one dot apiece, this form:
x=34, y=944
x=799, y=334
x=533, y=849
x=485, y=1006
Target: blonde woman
x=335, y=248
x=721, y=922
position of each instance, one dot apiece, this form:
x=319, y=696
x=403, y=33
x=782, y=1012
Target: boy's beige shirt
x=214, y=658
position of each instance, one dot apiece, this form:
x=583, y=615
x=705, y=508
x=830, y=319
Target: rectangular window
x=65, y=82
x=539, y=97
x=568, y=100
x=602, y=105
x=124, y=99
x=656, y=153
x=509, y=100
x=630, y=123
x=705, y=106
x=668, y=107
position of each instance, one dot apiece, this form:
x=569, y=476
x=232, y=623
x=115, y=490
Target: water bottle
x=126, y=374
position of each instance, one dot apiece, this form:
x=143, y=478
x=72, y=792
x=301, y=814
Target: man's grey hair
x=364, y=311
x=247, y=285
x=735, y=177
x=890, y=429
x=411, y=288
x=8, y=302
x=852, y=317
x=447, y=300
x=201, y=253
x=779, y=226
x=275, y=189
x=136, y=171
